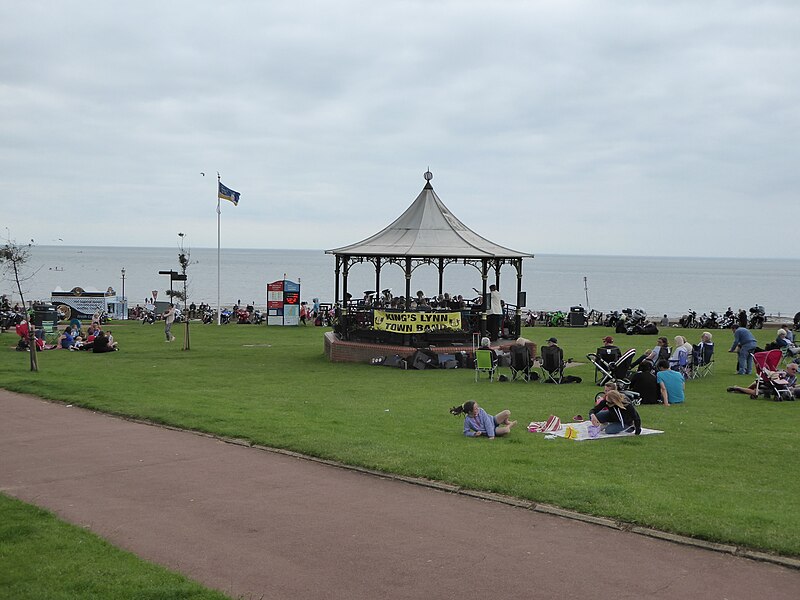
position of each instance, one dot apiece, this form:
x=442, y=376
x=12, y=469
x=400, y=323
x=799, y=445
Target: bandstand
x=427, y=233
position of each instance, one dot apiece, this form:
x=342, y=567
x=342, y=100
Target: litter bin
x=45, y=316
x=577, y=317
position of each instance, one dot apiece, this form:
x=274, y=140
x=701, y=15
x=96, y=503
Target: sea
x=657, y=285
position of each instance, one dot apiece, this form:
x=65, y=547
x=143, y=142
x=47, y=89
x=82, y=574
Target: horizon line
x=528, y=258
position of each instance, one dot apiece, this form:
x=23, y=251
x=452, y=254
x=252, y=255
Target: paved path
x=258, y=524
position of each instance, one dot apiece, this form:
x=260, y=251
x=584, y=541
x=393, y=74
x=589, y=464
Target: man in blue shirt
x=671, y=382
x=743, y=343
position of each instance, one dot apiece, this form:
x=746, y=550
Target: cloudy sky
x=643, y=128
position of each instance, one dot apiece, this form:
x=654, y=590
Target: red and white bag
x=553, y=424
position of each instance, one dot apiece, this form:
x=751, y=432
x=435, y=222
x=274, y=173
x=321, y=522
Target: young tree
x=13, y=257
x=184, y=260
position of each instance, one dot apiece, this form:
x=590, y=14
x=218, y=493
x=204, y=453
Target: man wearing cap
x=552, y=341
x=609, y=352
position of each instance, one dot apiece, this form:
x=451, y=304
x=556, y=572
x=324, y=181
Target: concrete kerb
x=784, y=561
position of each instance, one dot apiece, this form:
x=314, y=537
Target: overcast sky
x=642, y=128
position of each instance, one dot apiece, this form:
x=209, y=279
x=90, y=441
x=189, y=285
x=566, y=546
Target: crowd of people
x=72, y=337
x=660, y=378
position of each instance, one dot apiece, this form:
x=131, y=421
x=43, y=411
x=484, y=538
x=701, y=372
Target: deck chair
x=766, y=364
x=520, y=363
x=552, y=364
x=702, y=359
x=485, y=362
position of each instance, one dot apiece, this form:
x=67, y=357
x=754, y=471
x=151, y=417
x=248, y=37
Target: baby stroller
x=767, y=381
x=611, y=363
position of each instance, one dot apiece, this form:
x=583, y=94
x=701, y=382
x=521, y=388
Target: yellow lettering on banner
x=415, y=322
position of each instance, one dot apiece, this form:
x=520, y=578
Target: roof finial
x=428, y=175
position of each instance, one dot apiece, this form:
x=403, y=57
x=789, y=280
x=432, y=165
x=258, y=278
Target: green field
x=43, y=557
x=722, y=471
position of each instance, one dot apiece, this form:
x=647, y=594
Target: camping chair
x=552, y=364
x=681, y=363
x=520, y=363
x=789, y=353
x=485, y=362
x=766, y=382
x=702, y=359
x=602, y=358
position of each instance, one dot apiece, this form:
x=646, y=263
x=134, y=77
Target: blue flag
x=228, y=194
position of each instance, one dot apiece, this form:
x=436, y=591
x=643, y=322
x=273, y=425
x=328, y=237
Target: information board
x=283, y=302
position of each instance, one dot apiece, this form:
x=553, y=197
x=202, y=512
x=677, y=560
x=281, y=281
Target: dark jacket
x=646, y=385
x=626, y=416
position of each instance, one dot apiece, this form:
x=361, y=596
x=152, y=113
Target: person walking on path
x=169, y=319
x=743, y=343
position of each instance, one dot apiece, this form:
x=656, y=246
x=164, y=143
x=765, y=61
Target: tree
x=13, y=257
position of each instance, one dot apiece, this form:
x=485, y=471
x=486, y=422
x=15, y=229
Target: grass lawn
x=721, y=472
x=43, y=557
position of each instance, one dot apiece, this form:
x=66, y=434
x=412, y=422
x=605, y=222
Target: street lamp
x=124, y=304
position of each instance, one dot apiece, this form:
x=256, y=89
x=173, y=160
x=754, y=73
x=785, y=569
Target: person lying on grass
x=477, y=422
x=615, y=414
x=787, y=378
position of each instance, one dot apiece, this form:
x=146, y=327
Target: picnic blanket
x=582, y=431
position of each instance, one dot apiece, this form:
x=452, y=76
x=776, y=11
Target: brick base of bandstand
x=337, y=350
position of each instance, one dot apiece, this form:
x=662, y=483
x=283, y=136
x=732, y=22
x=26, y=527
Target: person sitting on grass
x=103, y=342
x=789, y=376
x=616, y=414
x=610, y=386
x=66, y=341
x=660, y=351
x=645, y=384
x=672, y=384
x=479, y=423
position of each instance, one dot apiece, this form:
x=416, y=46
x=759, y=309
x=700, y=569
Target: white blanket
x=583, y=432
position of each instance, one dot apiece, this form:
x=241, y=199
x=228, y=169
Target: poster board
x=283, y=302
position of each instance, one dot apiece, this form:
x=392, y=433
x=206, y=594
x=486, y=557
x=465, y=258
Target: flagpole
x=219, y=306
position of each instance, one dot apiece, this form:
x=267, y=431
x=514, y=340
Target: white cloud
x=656, y=128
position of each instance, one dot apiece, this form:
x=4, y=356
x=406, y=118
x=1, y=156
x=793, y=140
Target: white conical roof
x=428, y=229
